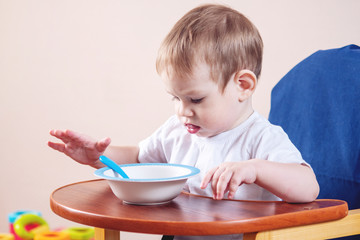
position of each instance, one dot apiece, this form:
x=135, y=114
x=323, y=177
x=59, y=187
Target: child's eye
x=198, y=100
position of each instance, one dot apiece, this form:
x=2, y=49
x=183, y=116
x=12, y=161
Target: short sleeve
x=275, y=145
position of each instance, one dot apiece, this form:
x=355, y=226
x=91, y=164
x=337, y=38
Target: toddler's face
x=201, y=106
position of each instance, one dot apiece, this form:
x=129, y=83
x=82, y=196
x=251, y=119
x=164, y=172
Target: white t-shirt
x=254, y=138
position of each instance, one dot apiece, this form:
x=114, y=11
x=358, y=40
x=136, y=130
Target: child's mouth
x=192, y=128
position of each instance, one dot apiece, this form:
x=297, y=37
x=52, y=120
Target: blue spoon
x=111, y=164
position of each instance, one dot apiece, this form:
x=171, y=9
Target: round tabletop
x=93, y=203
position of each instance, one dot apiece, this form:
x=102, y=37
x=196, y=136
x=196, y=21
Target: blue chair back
x=318, y=104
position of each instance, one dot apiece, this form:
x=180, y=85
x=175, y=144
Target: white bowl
x=148, y=183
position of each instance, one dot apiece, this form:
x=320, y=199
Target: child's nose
x=184, y=110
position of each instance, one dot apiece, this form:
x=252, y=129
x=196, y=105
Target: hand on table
x=228, y=177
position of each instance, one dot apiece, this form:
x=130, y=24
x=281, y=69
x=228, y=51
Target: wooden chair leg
x=106, y=234
x=167, y=237
x=249, y=236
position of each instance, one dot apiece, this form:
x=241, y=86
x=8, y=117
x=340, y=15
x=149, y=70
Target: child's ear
x=246, y=82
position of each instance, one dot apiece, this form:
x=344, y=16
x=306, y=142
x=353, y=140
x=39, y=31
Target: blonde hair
x=220, y=36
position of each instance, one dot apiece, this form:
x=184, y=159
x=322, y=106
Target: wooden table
x=93, y=203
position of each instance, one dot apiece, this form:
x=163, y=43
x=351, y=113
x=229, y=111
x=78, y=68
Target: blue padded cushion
x=318, y=104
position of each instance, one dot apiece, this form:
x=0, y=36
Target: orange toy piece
x=52, y=236
x=6, y=236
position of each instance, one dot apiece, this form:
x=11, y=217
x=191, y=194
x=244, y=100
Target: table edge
x=193, y=228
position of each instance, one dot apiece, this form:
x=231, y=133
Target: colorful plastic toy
x=52, y=236
x=6, y=236
x=29, y=225
x=80, y=233
x=25, y=220
x=14, y=215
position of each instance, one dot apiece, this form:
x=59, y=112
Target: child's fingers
x=57, y=146
x=79, y=139
x=60, y=134
x=206, y=180
x=234, y=184
x=55, y=133
x=103, y=144
x=215, y=180
x=74, y=136
x=222, y=184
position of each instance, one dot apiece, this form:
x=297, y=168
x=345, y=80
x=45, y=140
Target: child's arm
x=291, y=182
x=86, y=150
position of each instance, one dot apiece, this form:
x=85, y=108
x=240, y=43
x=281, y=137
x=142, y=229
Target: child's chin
x=202, y=134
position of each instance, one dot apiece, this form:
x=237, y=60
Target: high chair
x=318, y=105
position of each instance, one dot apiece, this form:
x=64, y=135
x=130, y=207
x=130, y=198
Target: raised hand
x=81, y=148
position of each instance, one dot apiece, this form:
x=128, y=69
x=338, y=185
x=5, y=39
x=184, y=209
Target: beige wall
x=89, y=66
